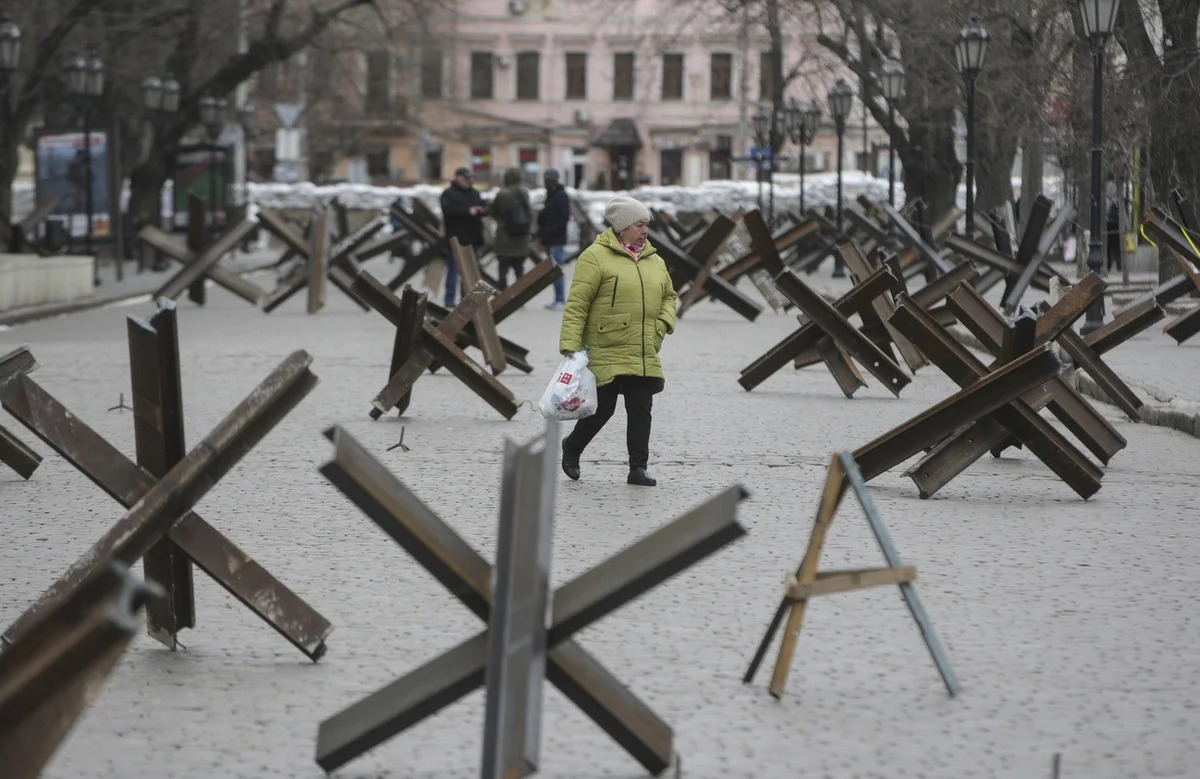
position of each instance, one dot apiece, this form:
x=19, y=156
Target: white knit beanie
x=622, y=211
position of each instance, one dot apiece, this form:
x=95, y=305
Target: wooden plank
x=831, y=498
x=834, y=582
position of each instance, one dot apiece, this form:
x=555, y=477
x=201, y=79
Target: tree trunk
x=9, y=160
x=1032, y=172
x=993, y=176
x=930, y=166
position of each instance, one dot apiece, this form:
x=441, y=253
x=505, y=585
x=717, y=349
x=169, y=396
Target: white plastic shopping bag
x=572, y=391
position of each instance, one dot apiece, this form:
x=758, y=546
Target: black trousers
x=639, y=399
x=517, y=264
x=1113, y=248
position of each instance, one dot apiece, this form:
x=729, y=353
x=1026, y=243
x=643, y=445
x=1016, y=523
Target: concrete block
x=30, y=280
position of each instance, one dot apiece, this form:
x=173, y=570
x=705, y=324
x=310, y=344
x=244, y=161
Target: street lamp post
x=970, y=51
x=85, y=82
x=1099, y=17
x=212, y=114
x=892, y=76
x=161, y=99
x=246, y=117
x=841, y=100
x=761, y=129
x=804, y=130
x=10, y=57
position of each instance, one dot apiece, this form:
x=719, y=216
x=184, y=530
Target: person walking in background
x=514, y=221
x=462, y=217
x=620, y=308
x=1112, y=224
x=552, y=231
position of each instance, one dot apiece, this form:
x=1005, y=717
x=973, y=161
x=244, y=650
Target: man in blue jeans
x=552, y=231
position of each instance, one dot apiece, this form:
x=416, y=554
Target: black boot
x=570, y=462
x=639, y=477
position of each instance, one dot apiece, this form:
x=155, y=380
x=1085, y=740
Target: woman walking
x=620, y=307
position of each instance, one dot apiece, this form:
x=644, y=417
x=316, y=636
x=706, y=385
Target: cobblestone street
x=1069, y=623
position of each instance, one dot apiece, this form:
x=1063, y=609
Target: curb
x=1157, y=411
x=33, y=313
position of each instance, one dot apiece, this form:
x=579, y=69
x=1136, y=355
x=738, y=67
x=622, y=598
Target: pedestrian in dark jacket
x=514, y=222
x=552, y=230
x=462, y=217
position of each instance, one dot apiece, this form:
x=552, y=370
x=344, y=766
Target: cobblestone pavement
x=1070, y=624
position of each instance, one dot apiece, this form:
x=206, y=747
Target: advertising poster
x=60, y=170
x=204, y=174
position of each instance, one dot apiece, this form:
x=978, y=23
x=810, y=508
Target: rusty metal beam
x=882, y=306
x=486, y=337
x=52, y=675
x=232, y=282
x=17, y=455
x=201, y=265
x=844, y=334
x=962, y=367
x=966, y=406
x=809, y=334
x=158, y=434
x=442, y=681
x=162, y=507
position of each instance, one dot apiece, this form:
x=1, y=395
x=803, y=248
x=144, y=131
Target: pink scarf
x=634, y=249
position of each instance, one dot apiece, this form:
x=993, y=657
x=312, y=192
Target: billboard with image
x=60, y=170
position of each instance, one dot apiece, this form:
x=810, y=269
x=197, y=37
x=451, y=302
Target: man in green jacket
x=620, y=307
x=513, y=213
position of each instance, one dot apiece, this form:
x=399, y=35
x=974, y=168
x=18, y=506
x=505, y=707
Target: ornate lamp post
x=762, y=128
x=892, y=76
x=1099, y=17
x=805, y=122
x=970, y=51
x=212, y=115
x=161, y=99
x=85, y=82
x=841, y=100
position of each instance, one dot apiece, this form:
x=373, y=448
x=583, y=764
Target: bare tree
x=1158, y=38
x=194, y=42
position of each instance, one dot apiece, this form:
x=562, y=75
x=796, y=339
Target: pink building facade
x=613, y=95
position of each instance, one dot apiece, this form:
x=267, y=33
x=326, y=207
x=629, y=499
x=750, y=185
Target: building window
x=378, y=167
x=721, y=76
x=481, y=163
x=670, y=170
x=433, y=165
x=482, y=75
x=672, y=77
x=623, y=76
x=766, y=77
x=431, y=74
x=576, y=75
x=527, y=75
x=378, y=92
x=527, y=158
x=718, y=158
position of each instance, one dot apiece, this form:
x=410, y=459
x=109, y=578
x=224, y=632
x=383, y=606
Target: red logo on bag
x=565, y=378
x=572, y=404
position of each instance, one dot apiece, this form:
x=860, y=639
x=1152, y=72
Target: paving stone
x=1071, y=624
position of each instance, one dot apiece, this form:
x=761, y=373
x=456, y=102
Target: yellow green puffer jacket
x=620, y=310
